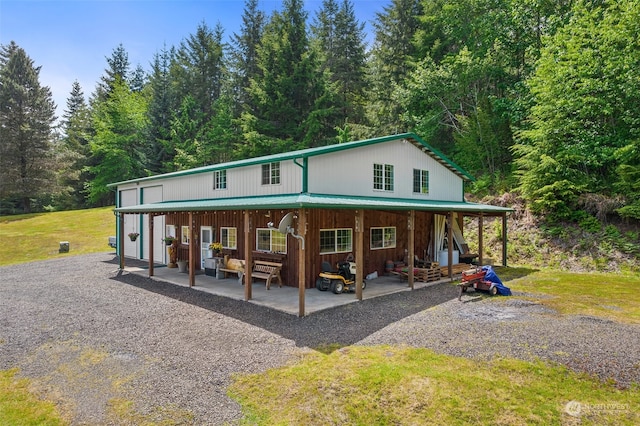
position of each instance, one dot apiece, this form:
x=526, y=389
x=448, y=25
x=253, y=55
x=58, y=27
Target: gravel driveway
x=92, y=338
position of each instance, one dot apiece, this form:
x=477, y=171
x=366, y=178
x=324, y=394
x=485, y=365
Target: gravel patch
x=91, y=337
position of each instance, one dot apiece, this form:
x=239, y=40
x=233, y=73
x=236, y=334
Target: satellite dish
x=285, y=223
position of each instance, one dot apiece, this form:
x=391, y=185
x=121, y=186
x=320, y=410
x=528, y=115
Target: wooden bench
x=267, y=271
x=232, y=266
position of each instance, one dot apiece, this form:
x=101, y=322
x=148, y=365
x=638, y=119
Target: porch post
x=248, y=262
x=121, y=238
x=359, y=252
x=504, y=239
x=151, y=217
x=480, y=239
x=302, y=261
x=410, y=245
x=192, y=260
x=450, y=246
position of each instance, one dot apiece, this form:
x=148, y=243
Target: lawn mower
x=342, y=280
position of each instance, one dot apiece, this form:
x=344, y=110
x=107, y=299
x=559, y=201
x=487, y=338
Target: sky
x=71, y=39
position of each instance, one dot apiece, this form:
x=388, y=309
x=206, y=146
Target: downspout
x=305, y=173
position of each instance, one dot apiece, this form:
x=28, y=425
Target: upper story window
x=220, y=179
x=420, y=181
x=271, y=174
x=271, y=240
x=383, y=177
x=336, y=240
x=383, y=237
x=229, y=238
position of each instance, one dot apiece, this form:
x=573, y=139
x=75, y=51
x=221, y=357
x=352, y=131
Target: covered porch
x=283, y=299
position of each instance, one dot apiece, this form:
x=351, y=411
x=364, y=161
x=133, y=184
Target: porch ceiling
x=306, y=200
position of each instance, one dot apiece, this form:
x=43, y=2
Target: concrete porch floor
x=283, y=298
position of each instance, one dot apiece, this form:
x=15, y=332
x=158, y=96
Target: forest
x=537, y=98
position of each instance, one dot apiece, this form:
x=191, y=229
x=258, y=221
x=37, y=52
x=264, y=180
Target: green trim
x=318, y=201
x=312, y=152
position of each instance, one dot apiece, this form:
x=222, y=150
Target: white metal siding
x=351, y=173
x=153, y=194
x=241, y=182
x=129, y=197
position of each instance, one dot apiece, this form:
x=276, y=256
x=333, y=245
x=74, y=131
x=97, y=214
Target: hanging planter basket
x=133, y=236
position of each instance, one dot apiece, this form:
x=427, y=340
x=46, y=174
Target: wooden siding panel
x=351, y=173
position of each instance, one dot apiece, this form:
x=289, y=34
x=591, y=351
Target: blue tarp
x=492, y=277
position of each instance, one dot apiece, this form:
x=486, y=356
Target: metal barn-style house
x=381, y=200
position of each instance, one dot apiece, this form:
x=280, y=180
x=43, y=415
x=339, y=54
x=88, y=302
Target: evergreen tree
x=586, y=89
x=199, y=69
x=138, y=79
x=244, y=55
x=162, y=106
x=391, y=62
x=290, y=97
x=117, y=70
x=117, y=148
x=340, y=39
x=26, y=131
x=74, y=150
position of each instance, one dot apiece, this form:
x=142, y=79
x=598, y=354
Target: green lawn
x=37, y=236
x=374, y=385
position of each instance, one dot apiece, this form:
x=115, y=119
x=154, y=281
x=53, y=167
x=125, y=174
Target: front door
x=206, y=238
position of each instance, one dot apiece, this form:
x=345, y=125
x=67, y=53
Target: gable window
x=220, y=179
x=336, y=240
x=229, y=238
x=383, y=177
x=271, y=174
x=271, y=240
x=420, y=181
x=383, y=237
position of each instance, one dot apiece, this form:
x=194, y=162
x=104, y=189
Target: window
x=184, y=234
x=383, y=237
x=229, y=238
x=336, y=240
x=220, y=179
x=383, y=177
x=420, y=181
x=271, y=240
x=271, y=174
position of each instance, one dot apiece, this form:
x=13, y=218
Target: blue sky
x=70, y=39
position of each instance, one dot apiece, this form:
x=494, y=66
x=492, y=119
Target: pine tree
x=26, y=130
x=74, y=150
x=290, y=96
x=199, y=68
x=340, y=39
x=118, y=70
x=392, y=55
x=244, y=55
x=162, y=106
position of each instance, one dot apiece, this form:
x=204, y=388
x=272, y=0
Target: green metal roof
x=307, y=200
x=311, y=152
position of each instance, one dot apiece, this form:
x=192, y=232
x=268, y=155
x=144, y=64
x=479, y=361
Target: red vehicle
x=476, y=278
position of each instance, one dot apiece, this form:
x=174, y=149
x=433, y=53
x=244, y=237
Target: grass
x=37, y=236
x=368, y=385
x=611, y=296
x=18, y=406
x=388, y=385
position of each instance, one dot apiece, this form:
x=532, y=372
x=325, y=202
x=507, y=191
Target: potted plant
x=216, y=248
x=133, y=236
x=169, y=240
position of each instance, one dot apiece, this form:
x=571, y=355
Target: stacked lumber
x=455, y=269
x=419, y=274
